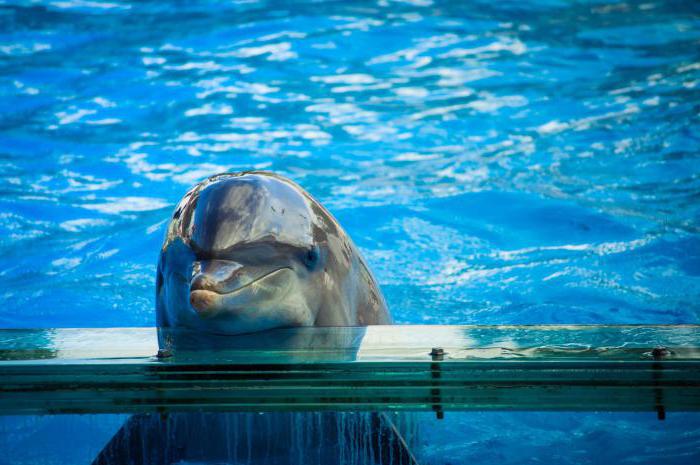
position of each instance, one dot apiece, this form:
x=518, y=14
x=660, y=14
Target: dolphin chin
x=270, y=286
x=205, y=303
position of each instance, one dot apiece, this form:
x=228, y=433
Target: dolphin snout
x=211, y=280
x=204, y=295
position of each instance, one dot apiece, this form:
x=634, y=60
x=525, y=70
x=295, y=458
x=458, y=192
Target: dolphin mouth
x=208, y=303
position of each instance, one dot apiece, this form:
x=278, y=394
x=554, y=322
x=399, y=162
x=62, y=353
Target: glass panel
x=374, y=368
x=352, y=394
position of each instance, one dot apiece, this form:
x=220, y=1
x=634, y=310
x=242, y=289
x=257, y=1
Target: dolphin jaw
x=204, y=302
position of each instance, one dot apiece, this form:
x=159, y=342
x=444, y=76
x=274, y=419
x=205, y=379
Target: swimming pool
x=495, y=162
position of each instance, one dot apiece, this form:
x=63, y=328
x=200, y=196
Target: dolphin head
x=246, y=253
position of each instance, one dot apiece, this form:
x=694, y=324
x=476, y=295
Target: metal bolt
x=437, y=353
x=660, y=413
x=660, y=352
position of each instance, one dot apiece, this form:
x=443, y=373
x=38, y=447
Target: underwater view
x=495, y=163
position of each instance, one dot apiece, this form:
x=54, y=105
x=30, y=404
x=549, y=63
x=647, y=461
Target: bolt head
x=660, y=352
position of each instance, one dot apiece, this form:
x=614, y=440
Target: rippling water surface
x=497, y=162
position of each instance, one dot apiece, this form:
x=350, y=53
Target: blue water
x=496, y=162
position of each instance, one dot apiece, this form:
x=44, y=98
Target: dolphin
x=249, y=252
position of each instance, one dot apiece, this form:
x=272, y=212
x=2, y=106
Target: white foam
x=117, y=205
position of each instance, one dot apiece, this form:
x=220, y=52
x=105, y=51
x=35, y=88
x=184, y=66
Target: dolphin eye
x=311, y=257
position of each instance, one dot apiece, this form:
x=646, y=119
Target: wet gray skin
x=252, y=251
